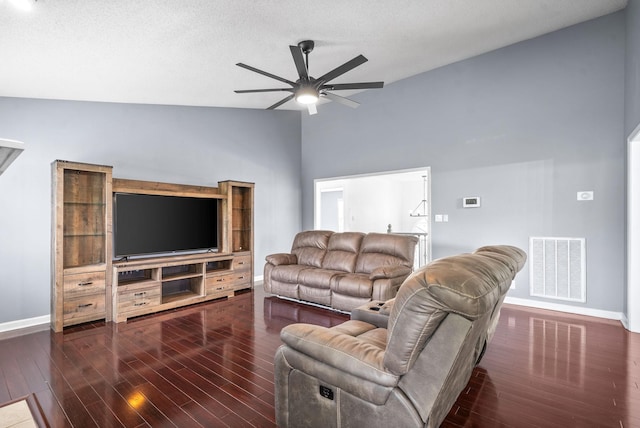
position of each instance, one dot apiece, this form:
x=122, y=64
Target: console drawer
x=135, y=298
x=242, y=280
x=82, y=284
x=85, y=308
x=219, y=284
x=241, y=263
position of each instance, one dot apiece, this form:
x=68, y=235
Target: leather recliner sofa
x=341, y=270
x=410, y=371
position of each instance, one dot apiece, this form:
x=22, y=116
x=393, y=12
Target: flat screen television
x=152, y=225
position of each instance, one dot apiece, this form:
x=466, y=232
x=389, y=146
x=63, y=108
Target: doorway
x=387, y=202
x=331, y=214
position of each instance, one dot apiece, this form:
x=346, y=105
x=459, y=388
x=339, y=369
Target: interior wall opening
x=385, y=202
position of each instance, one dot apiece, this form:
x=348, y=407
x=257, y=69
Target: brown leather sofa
x=410, y=371
x=340, y=270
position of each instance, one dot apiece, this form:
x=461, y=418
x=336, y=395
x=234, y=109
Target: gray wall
x=632, y=75
x=187, y=145
x=525, y=128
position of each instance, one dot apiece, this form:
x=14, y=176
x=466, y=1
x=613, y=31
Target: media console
x=150, y=285
x=88, y=284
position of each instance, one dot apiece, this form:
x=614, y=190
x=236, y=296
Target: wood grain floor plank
x=211, y=365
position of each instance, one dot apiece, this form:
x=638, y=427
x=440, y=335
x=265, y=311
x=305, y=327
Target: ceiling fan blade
x=264, y=73
x=338, y=71
x=312, y=109
x=345, y=86
x=298, y=59
x=342, y=100
x=282, y=101
x=247, y=91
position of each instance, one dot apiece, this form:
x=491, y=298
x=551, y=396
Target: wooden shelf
x=179, y=276
x=139, y=282
x=176, y=297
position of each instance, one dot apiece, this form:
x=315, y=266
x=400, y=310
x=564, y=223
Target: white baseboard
x=598, y=313
x=625, y=322
x=32, y=325
x=25, y=326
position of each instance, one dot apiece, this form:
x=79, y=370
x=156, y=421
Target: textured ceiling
x=183, y=52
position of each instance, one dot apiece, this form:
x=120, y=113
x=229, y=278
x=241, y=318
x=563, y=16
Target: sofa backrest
x=310, y=247
x=469, y=285
x=384, y=249
x=342, y=251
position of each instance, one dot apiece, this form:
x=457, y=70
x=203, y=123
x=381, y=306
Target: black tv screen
x=152, y=224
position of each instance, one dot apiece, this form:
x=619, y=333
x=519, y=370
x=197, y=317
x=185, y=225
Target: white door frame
x=633, y=231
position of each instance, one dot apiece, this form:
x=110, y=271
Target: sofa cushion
x=310, y=247
x=318, y=278
x=288, y=273
x=383, y=249
x=356, y=285
x=342, y=251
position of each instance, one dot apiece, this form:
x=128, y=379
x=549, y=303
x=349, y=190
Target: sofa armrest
x=385, y=309
x=387, y=272
x=282, y=259
x=370, y=313
x=339, y=348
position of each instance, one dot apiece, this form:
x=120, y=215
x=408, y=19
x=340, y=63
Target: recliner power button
x=326, y=392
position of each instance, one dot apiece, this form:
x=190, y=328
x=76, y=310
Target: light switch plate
x=585, y=195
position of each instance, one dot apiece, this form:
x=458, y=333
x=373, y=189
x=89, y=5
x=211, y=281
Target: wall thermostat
x=471, y=202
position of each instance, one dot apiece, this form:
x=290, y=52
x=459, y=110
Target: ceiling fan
x=307, y=90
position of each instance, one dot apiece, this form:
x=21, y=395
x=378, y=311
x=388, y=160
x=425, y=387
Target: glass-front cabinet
x=81, y=243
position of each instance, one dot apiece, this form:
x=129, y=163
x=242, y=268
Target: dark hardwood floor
x=212, y=365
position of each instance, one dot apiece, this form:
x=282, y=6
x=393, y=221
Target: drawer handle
x=220, y=280
x=85, y=305
x=140, y=294
x=240, y=263
x=84, y=284
x=219, y=288
x=140, y=304
x=241, y=277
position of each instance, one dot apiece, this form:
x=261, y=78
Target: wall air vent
x=557, y=268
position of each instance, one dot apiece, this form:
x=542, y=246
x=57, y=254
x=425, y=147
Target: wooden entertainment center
x=88, y=285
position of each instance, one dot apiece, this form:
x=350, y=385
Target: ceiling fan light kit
x=307, y=95
x=307, y=90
